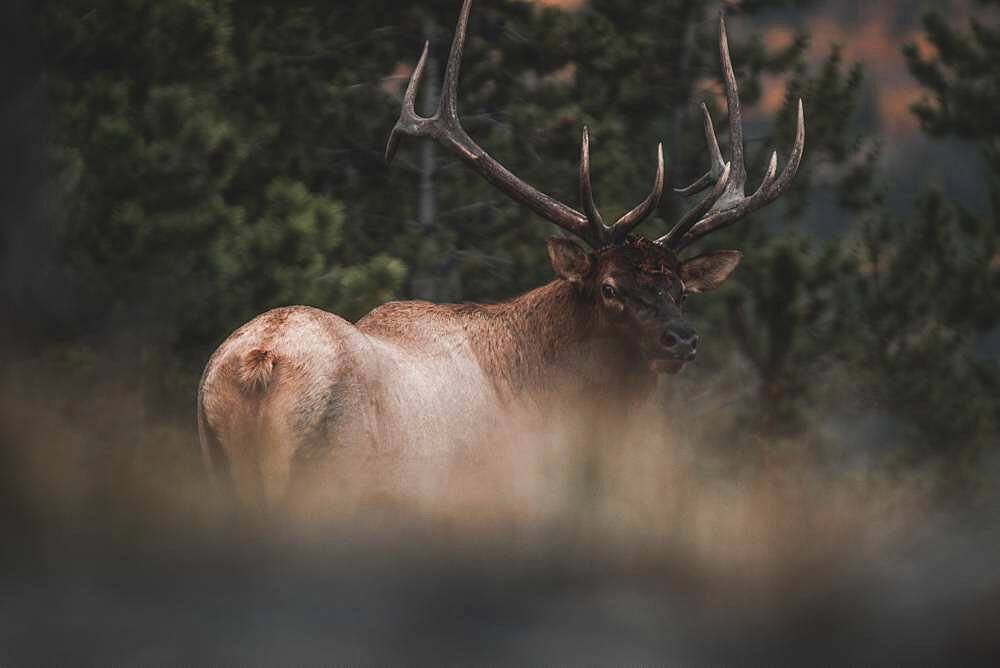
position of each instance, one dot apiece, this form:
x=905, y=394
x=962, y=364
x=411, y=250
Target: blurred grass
x=90, y=444
x=652, y=549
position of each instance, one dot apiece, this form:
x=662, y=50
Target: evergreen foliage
x=928, y=282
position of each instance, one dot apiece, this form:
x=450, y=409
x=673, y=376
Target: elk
x=298, y=390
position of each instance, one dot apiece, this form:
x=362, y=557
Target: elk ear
x=569, y=260
x=709, y=270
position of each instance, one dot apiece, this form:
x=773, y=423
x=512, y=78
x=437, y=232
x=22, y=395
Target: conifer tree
x=928, y=286
x=193, y=204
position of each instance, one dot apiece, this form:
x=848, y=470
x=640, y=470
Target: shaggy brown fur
x=255, y=372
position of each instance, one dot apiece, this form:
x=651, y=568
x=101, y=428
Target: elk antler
x=621, y=227
x=727, y=202
x=445, y=127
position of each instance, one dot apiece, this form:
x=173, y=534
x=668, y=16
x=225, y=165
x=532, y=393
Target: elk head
x=637, y=285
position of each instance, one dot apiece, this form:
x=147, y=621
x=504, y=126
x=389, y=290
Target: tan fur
x=513, y=350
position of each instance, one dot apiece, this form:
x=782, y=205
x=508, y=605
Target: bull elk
x=298, y=389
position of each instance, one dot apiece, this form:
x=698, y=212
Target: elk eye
x=609, y=291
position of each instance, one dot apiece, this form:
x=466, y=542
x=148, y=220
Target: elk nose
x=680, y=342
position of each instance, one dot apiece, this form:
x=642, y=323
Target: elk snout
x=679, y=341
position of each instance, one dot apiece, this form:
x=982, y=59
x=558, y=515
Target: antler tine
x=621, y=227
x=448, y=108
x=445, y=127
x=600, y=230
x=409, y=122
x=643, y=209
x=718, y=164
x=794, y=158
x=688, y=220
x=738, y=177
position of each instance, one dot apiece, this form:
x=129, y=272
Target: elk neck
x=550, y=338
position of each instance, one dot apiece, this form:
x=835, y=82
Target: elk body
x=299, y=392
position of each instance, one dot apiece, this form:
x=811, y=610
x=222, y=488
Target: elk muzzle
x=680, y=342
x=676, y=345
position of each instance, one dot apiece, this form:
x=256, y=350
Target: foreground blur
x=119, y=550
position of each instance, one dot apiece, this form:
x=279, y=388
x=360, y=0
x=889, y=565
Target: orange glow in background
x=874, y=38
